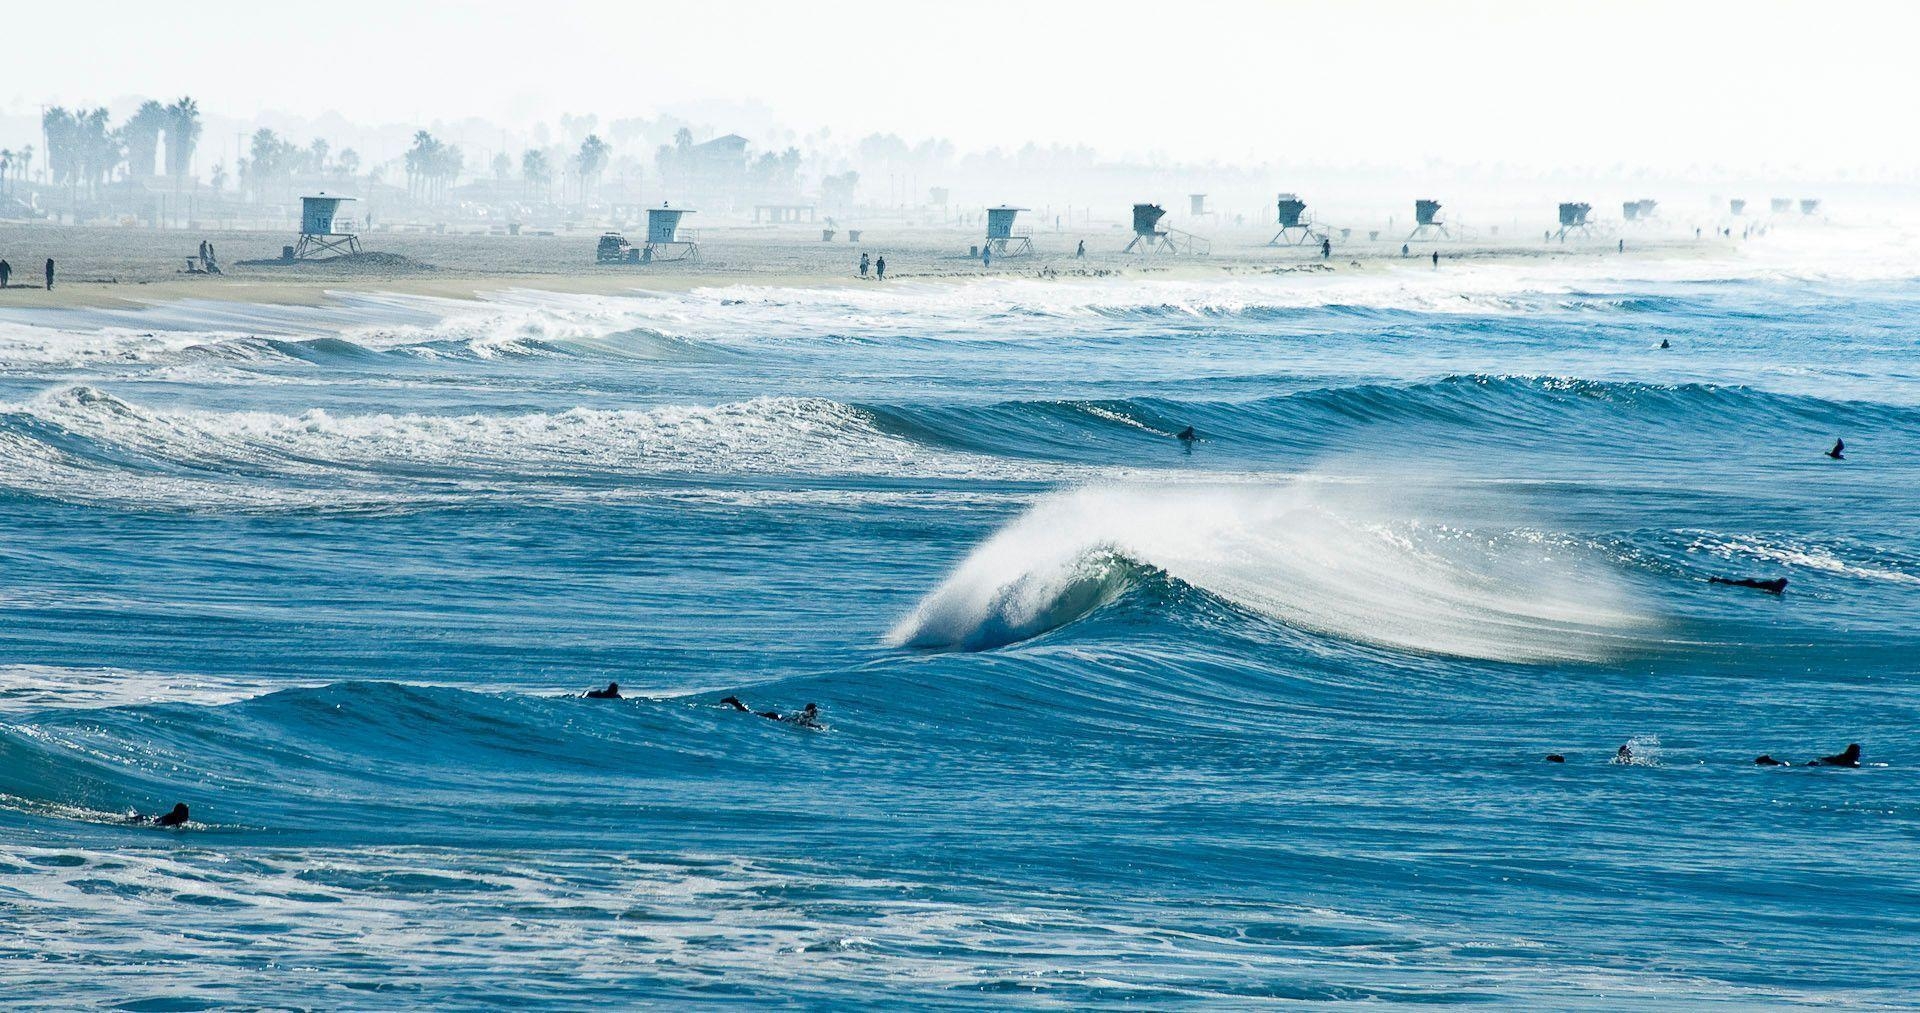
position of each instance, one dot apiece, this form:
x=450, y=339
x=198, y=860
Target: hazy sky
x=1816, y=85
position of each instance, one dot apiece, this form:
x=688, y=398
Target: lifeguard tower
x=1639, y=210
x=1736, y=207
x=1148, y=237
x=665, y=239
x=1781, y=205
x=1197, y=206
x=1296, y=229
x=1426, y=220
x=1810, y=207
x=320, y=232
x=1573, y=218
x=1000, y=237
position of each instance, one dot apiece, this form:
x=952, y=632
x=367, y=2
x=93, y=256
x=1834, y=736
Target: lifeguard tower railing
x=1001, y=238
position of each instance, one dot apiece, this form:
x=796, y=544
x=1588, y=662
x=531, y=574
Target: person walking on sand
x=986, y=256
x=49, y=274
x=1436, y=258
x=880, y=268
x=863, y=265
x=1081, y=250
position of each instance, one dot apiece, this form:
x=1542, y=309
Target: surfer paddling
x=1848, y=757
x=612, y=692
x=171, y=818
x=1777, y=585
x=805, y=717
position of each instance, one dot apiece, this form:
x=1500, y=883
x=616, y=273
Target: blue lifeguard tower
x=1000, y=237
x=321, y=231
x=1573, y=218
x=1149, y=237
x=1426, y=220
x=1296, y=229
x=666, y=240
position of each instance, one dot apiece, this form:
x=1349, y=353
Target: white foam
x=1313, y=555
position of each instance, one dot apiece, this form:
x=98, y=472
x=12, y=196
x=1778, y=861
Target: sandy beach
x=102, y=266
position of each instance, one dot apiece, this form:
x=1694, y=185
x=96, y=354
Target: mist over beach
x=959, y=506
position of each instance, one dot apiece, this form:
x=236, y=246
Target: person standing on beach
x=49, y=274
x=986, y=256
x=863, y=265
x=1326, y=247
x=6, y=271
x=1436, y=258
x=1081, y=250
x=880, y=268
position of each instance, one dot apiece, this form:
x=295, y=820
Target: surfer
x=1663, y=343
x=1624, y=754
x=1838, y=452
x=806, y=717
x=1187, y=435
x=1763, y=760
x=612, y=692
x=1848, y=757
x=1556, y=758
x=171, y=818
x=1777, y=585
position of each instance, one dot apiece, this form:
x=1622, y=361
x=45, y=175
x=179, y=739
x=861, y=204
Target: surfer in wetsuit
x=806, y=717
x=171, y=818
x=612, y=692
x=1777, y=585
x=1187, y=435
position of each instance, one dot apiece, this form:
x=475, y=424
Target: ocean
x=1108, y=718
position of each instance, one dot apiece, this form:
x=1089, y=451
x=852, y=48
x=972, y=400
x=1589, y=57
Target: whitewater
x=1111, y=719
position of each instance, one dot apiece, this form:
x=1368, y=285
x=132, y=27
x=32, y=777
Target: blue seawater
x=1110, y=720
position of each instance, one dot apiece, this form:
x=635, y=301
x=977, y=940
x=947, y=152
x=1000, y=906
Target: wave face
x=1110, y=719
x=1309, y=555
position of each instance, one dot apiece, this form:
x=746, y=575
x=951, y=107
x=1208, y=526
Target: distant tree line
x=84, y=149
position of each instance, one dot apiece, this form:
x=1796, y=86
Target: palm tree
x=142, y=134
x=592, y=158
x=534, y=169
x=6, y=163
x=183, y=135
x=348, y=162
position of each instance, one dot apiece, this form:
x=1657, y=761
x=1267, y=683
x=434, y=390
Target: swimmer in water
x=1556, y=758
x=1777, y=585
x=612, y=692
x=806, y=717
x=171, y=818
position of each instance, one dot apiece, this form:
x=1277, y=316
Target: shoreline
x=126, y=268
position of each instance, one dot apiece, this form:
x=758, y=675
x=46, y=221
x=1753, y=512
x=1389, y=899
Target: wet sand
x=102, y=266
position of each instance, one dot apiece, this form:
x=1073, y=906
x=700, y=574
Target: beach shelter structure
x=1197, y=204
x=1000, y=235
x=1426, y=220
x=1148, y=237
x=1296, y=229
x=666, y=240
x=321, y=231
x=1573, y=218
x=1781, y=205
